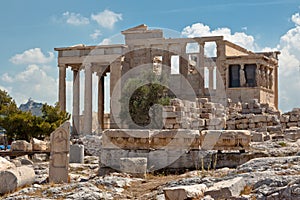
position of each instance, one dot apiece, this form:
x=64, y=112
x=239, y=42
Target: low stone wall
x=175, y=149
x=251, y=121
x=133, y=139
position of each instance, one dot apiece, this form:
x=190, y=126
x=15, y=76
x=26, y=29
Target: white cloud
x=289, y=70
x=96, y=34
x=105, y=41
x=296, y=19
x=6, y=78
x=202, y=30
x=107, y=18
x=75, y=19
x=32, y=56
x=32, y=82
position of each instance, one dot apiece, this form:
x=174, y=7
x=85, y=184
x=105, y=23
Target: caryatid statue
x=242, y=77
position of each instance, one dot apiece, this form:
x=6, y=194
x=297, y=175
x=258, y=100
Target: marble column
x=166, y=62
x=62, y=87
x=227, y=76
x=220, y=67
x=101, y=100
x=76, y=101
x=184, y=62
x=201, y=65
x=115, y=93
x=88, y=99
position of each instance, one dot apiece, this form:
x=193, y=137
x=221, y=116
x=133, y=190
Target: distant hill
x=32, y=106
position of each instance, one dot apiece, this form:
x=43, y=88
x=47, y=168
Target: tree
x=24, y=125
x=7, y=104
x=53, y=117
x=139, y=95
x=18, y=125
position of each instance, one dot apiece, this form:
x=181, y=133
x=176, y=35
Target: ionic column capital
x=75, y=67
x=87, y=64
x=62, y=66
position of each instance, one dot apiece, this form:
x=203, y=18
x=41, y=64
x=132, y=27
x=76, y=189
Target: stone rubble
x=226, y=189
x=198, y=115
x=21, y=145
x=39, y=145
x=13, y=178
x=263, y=120
x=184, y=192
x=260, y=178
x=272, y=173
x=92, y=144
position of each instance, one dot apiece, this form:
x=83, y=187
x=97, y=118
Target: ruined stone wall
x=204, y=115
x=290, y=119
x=252, y=116
x=198, y=115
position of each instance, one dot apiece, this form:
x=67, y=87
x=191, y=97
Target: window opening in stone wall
x=192, y=47
x=210, y=49
x=206, y=77
x=234, y=75
x=175, y=64
x=157, y=64
x=250, y=75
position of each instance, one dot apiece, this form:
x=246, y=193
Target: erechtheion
x=242, y=74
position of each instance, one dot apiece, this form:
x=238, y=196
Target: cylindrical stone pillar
x=62, y=87
x=11, y=179
x=76, y=101
x=211, y=77
x=101, y=101
x=88, y=99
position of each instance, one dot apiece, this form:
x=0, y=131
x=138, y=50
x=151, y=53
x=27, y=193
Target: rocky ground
x=269, y=178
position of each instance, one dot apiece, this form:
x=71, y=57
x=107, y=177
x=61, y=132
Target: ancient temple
x=233, y=72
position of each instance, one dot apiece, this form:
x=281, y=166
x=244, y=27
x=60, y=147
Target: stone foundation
x=170, y=149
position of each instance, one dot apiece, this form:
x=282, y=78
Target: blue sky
x=31, y=29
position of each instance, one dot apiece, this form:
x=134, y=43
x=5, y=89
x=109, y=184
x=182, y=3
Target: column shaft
x=183, y=66
x=101, y=101
x=76, y=102
x=201, y=66
x=88, y=100
x=62, y=87
x=183, y=62
x=115, y=93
